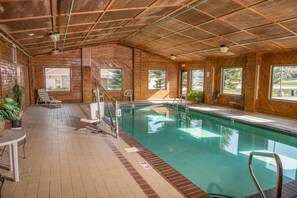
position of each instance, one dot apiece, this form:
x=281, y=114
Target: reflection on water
x=211, y=152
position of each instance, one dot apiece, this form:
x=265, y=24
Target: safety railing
x=279, y=166
x=110, y=103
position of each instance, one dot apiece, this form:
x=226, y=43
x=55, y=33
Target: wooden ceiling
x=190, y=29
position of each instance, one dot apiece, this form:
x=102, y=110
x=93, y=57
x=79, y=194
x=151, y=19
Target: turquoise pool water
x=211, y=152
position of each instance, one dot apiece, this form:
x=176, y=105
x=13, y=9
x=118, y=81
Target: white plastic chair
x=128, y=93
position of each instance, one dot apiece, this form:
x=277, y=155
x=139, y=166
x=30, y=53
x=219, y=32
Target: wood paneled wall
x=266, y=105
x=70, y=59
x=113, y=56
x=145, y=61
x=13, y=72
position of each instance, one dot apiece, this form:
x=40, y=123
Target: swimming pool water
x=211, y=152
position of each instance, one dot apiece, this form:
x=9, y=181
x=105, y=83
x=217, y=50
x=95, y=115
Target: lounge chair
x=44, y=97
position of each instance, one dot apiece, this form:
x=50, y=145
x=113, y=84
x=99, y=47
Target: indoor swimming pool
x=211, y=152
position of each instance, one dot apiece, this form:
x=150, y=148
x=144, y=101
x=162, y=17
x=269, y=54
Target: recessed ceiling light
x=31, y=34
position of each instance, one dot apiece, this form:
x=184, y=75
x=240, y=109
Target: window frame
x=70, y=74
x=148, y=75
x=109, y=68
x=271, y=85
x=222, y=80
x=191, y=81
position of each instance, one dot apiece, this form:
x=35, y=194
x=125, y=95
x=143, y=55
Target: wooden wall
x=13, y=72
x=113, y=56
x=70, y=59
x=266, y=105
x=145, y=61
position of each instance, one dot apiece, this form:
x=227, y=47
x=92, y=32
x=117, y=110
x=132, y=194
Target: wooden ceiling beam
x=131, y=20
x=54, y=13
x=262, y=15
x=162, y=18
x=25, y=18
x=99, y=18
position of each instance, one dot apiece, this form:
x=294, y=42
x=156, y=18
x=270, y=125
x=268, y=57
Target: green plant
x=196, y=96
x=18, y=95
x=9, y=109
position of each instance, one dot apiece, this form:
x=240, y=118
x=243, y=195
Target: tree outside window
x=232, y=81
x=284, y=83
x=197, y=82
x=111, y=79
x=57, y=79
x=156, y=79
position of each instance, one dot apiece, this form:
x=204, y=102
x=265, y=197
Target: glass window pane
x=232, y=81
x=284, y=83
x=57, y=79
x=197, y=81
x=111, y=79
x=156, y=79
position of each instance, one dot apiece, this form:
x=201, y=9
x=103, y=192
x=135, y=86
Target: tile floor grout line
x=140, y=181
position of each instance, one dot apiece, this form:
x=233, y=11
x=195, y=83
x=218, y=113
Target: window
x=197, y=80
x=156, y=79
x=284, y=83
x=57, y=79
x=232, y=81
x=111, y=79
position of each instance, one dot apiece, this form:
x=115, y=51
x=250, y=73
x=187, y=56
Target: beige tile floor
x=64, y=162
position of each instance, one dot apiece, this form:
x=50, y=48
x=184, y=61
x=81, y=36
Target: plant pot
x=16, y=123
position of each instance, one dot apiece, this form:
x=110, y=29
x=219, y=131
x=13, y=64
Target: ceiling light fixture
x=55, y=36
x=224, y=48
x=173, y=57
x=31, y=34
x=55, y=51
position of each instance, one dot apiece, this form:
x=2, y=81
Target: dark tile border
x=176, y=179
x=146, y=188
x=289, y=191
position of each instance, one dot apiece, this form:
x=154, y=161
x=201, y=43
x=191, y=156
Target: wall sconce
x=173, y=57
x=183, y=65
x=224, y=48
x=55, y=36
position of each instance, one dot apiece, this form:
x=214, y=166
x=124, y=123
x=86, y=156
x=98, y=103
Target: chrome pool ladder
x=279, y=183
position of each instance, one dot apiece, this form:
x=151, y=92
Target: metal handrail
x=279, y=183
x=108, y=99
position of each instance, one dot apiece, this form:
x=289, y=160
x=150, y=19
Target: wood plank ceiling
x=164, y=27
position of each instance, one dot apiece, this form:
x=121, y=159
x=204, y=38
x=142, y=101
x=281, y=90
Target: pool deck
x=267, y=121
x=65, y=160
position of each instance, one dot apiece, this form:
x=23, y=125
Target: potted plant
x=195, y=96
x=18, y=97
x=9, y=110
